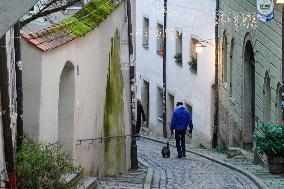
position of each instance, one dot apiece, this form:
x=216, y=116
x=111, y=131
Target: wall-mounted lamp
x=199, y=47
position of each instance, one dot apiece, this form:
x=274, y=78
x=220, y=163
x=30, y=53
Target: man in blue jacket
x=180, y=121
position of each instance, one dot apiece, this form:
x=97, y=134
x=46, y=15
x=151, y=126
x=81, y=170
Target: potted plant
x=193, y=64
x=178, y=57
x=270, y=141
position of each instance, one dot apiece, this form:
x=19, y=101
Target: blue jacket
x=180, y=120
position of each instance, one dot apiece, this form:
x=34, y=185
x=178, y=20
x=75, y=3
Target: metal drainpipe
x=18, y=69
x=215, y=127
x=5, y=101
x=134, y=160
x=165, y=71
x=282, y=105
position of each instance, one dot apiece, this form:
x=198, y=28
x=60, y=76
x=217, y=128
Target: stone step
x=87, y=183
x=71, y=178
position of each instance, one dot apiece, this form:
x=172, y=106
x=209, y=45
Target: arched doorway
x=248, y=95
x=66, y=107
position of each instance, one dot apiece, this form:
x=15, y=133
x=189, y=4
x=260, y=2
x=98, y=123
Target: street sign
x=265, y=10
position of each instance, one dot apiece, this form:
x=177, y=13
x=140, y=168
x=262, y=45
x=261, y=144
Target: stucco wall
x=186, y=86
x=90, y=57
x=32, y=62
x=266, y=42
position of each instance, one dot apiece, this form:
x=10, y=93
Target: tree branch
x=48, y=11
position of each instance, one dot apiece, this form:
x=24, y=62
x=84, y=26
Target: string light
x=178, y=13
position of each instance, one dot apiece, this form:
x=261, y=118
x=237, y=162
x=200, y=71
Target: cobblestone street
x=133, y=180
x=191, y=172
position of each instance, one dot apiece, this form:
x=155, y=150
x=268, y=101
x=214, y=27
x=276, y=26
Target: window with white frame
x=193, y=55
x=178, y=54
x=146, y=32
x=160, y=38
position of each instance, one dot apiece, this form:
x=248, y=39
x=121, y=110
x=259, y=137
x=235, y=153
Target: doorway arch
x=248, y=94
x=66, y=107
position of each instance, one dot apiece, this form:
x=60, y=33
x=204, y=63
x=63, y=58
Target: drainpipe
x=282, y=64
x=165, y=72
x=18, y=69
x=215, y=127
x=6, y=119
x=134, y=160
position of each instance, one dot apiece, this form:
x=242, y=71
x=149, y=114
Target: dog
x=166, y=153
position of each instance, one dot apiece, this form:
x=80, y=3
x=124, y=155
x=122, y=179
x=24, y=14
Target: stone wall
x=266, y=45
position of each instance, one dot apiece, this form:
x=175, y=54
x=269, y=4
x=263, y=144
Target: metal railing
x=102, y=139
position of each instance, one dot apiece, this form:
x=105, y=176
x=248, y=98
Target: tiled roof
x=75, y=26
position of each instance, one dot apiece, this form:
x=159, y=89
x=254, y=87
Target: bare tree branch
x=45, y=11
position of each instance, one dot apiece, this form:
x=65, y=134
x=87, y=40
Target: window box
x=193, y=64
x=146, y=45
x=178, y=58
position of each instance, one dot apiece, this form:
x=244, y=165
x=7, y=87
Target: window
x=178, y=55
x=193, y=55
x=146, y=32
x=224, y=59
x=267, y=100
x=160, y=43
x=189, y=109
x=231, y=67
x=159, y=103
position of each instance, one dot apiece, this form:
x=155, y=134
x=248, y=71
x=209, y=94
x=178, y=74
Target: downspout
x=18, y=69
x=215, y=126
x=5, y=101
x=282, y=120
x=134, y=160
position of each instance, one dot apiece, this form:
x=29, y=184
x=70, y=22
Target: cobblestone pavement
x=133, y=180
x=272, y=181
x=191, y=172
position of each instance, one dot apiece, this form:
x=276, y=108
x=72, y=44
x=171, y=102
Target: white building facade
x=188, y=23
x=76, y=92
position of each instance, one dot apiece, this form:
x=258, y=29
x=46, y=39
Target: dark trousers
x=138, y=126
x=180, y=142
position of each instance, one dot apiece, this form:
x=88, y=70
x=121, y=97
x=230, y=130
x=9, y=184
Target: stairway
x=86, y=182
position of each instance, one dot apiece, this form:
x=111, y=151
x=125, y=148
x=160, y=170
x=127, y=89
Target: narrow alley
x=173, y=173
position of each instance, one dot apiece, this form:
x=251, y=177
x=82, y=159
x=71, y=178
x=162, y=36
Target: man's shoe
x=183, y=155
x=179, y=156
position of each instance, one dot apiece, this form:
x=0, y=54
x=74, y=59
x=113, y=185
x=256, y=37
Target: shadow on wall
x=114, y=148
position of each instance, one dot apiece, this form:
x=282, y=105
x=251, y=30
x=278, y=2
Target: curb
x=259, y=183
x=149, y=176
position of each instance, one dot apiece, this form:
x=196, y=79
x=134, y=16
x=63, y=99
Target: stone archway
x=66, y=107
x=248, y=95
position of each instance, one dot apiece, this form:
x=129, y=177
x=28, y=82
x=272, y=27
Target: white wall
x=184, y=85
x=90, y=54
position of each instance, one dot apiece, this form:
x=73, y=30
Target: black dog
x=166, y=153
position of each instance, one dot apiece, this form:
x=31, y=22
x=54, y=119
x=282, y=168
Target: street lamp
x=199, y=47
